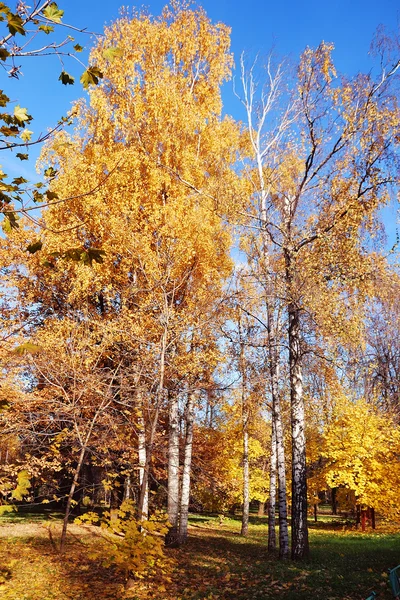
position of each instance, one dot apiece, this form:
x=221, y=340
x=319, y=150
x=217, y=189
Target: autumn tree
x=328, y=155
x=149, y=246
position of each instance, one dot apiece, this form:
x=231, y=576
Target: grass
x=216, y=563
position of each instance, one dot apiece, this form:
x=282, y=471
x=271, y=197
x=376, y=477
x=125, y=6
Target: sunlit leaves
x=53, y=13
x=91, y=76
x=112, y=53
x=26, y=135
x=46, y=29
x=21, y=114
x=15, y=24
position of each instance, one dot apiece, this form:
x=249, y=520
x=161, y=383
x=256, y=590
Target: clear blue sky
x=257, y=25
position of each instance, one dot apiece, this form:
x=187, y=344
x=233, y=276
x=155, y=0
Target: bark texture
x=187, y=465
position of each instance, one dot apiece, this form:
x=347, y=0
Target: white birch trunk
x=173, y=470
x=272, y=491
x=142, y=466
x=187, y=466
x=246, y=475
x=300, y=546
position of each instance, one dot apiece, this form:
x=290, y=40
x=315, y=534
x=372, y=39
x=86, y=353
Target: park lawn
x=216, y=563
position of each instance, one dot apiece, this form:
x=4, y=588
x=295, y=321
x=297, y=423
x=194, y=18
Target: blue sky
x=257, y=26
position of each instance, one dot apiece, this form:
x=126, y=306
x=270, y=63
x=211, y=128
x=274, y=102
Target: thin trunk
x=127, y=487
x=272, y=492
x=315, y=512
x=69, y=500
x=142, y=464
x=300, y=546
x=187, y=465
x=363, y=519
x=261, y=508
x=334, y=503
x=245, y=434
x=358, y=516
x=280, y=447
x=246, y=486
x=149, y=447
x=282, y=498
x=173, y=471
x=373, y=522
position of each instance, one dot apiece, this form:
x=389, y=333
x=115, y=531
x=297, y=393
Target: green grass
x=343, y=564
x=215, y=564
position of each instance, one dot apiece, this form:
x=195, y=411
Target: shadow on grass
x=226, y=566
x=216, y=563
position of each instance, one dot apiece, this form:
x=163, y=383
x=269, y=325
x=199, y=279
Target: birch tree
x=330, y=159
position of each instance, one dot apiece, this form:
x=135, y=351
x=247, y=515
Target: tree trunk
x=280, y=463
x=358, y=516
x=272, y=491
x=315, y=513
x=261, y=508
x=69, y=500
x=187, y=465
x=363, y=519
x=277, y=420
x=334, y=503
x=127, y=487
x=144, y=489
x=173, y=471
x=373, y=522
x=149, y=446
x=246, y=486
x=300, y=546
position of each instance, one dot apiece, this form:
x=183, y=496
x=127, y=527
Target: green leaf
x=74, y=254
x=46, y=28
x=7, y=508
x=66, y=78
x=28, y=347
x=22, y=487
x=22, y=156
x=91, y=76
x=15, y=24
x=10, y=221
x=78, y=48
x=112, y=53
x=53, y=13
x=34, y=247
x=3, y=99
x=4, y=54
x=51, y=195
x=50, y=172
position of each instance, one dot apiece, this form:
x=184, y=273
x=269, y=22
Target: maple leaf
x=26, y=135
x=15, y=24
x=91, y=76
x=53, y=13
x=66, y=78
x=21, y=114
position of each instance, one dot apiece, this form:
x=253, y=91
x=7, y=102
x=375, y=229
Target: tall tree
x=329, y=156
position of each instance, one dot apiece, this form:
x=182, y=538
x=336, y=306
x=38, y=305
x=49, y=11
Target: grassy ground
x=216, y=563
